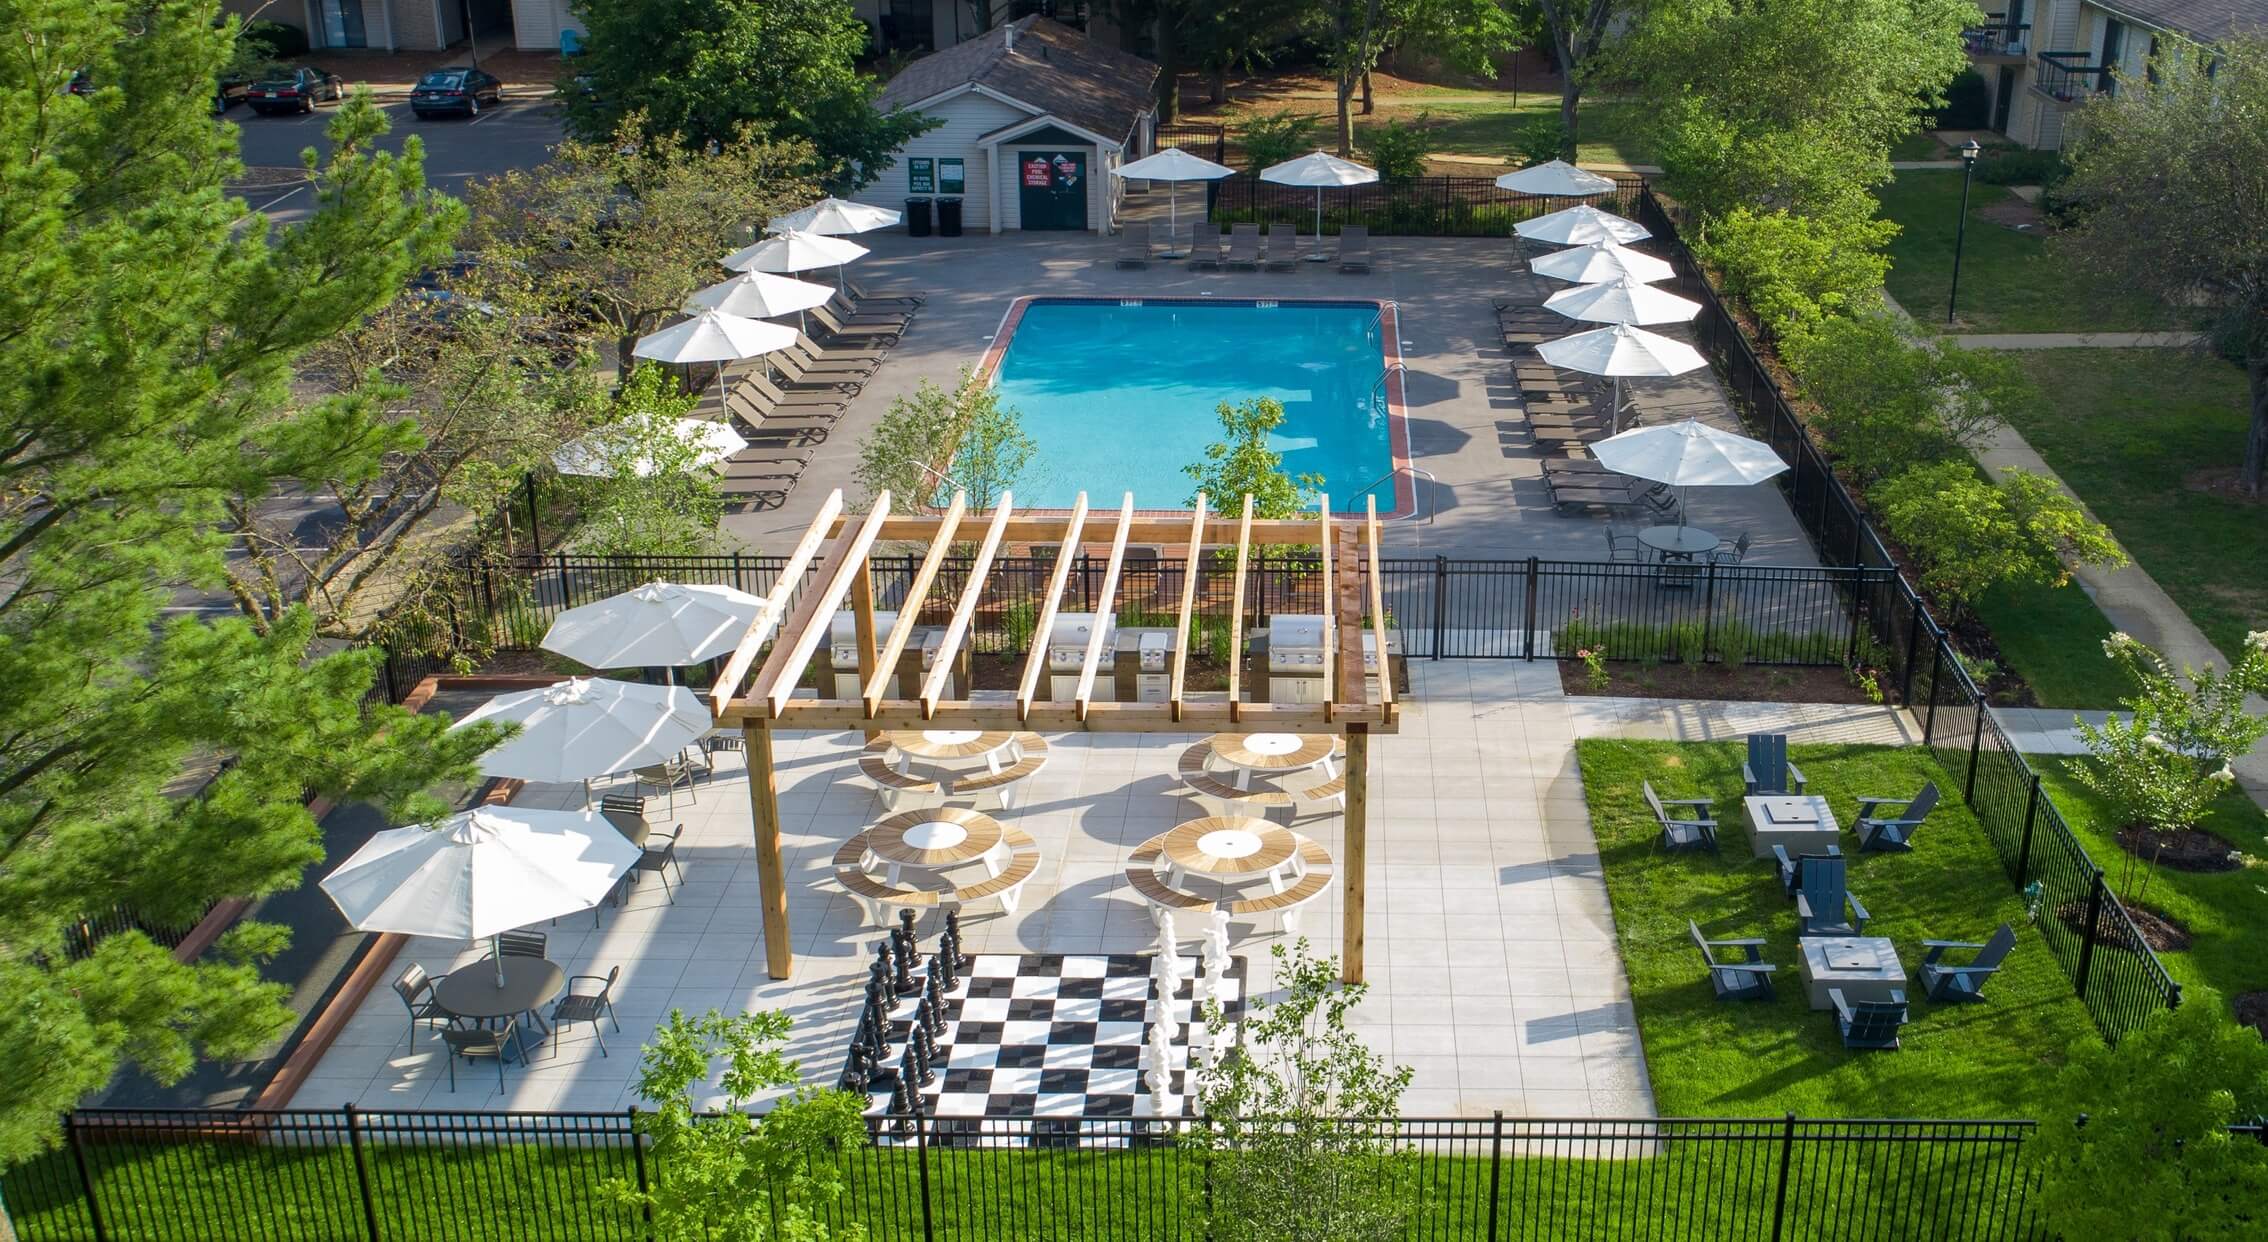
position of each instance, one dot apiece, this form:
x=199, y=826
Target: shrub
x=2018, y=166
x=1795, y=270
x=1968, y=102
x=275, y=38
x=1969, y=534
x=1398, y=151
x=1274, y=138
x=1886, y=400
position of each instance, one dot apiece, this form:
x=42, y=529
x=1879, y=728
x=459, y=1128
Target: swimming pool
x=1120, y=395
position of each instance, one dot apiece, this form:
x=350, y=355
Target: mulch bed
x=2162, y=932
x=2014, y=213
x=2191, y=849
x=2252, y=1011
x=1747, y=683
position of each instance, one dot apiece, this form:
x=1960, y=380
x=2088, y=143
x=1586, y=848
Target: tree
x=2166, y=181
x=2137, y=1143
x=1886, y=400
x=1353, y=34
x=607, y=239
x=1797, y=271
x=658, y=497
x=1579, y=30
x=2162, y=768
x=1243, y=464
x=727, y=1174
x=1969, y=535
x=707, y=74
x=934, y=441
x=1299, y=1118
x=1237, y=36
x=148, y=337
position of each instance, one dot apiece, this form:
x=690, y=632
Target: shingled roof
x=2206, y=20
x=1053, y=68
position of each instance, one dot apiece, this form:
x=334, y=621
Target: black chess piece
x=961, y=960
x=858, y=1071
x=905, y=1098
x=907, y=940
x=933, y=1006
x=925, y=1055
x=885, y=959
x=944, y=964
x=874, y=1030
x=903, y=982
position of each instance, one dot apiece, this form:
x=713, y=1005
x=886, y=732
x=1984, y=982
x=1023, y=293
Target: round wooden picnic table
x=953, y=745
x=1273, y=753
x=1229, y=847
x=934, y=837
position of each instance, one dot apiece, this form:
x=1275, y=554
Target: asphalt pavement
x=518, y=135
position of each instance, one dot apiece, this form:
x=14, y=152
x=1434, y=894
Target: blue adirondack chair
x=1822, y=896
x=1690, y=829
x=1767, y=770
x=1869, y=1024
x=1944, y=981
x=1791, y=869
x=1879, y=831
x=1747, y=979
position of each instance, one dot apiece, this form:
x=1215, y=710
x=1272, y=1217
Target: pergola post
x=862, y=610
x=1353, y=869
x=771, y=872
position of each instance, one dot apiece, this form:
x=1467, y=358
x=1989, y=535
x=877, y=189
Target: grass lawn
x=2124, y=427
x=2052, y=637
x=2009, y=283
x=1919, y=146
x=1466, y=124
x=1711, y=1057
x=2226, y=911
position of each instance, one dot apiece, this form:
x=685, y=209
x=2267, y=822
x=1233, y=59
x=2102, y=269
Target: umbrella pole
x=1173, y=212
x=1318, y=222
x=496, y=952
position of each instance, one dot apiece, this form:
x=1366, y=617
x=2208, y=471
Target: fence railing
x=224, y=1176
x=1421, y=206
x=2072, y=76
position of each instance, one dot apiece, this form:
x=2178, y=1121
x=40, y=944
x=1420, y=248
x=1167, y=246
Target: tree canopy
x=148, y=339
x=707, y=73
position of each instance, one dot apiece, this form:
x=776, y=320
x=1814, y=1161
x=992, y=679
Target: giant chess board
x=1048, y=1035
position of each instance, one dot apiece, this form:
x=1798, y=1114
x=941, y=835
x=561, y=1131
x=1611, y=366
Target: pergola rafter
x=768, y=701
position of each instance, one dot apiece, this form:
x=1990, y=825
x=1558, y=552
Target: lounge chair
x=1134, y=246
x=1283, y=248
x=1767, y=770
x=1877, y=831
x=1792, y=869
x=1750, y=978
x=1824, y=903
x=852, y=310
x=1354, y=247
x=1944, y=981
x=1869, y=1024
x=911, y=297
x=882, y=332
x=1687, y=830
x=826, y=355
x=1244, y=247
x=810, y=401
x=1205, y=245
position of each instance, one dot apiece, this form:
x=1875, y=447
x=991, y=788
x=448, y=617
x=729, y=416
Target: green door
x=1053, y=189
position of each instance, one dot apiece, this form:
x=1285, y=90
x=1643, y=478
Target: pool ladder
x=1378, y=321
x=1377, y=396
x=1414, y=472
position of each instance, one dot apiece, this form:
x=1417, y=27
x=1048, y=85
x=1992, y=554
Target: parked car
x=294, y=90
x=456, y=89
x=228, y=92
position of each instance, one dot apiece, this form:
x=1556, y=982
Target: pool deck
x=1465, y=420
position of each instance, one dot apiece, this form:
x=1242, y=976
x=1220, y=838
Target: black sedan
x=293, y=90
x=456, y=90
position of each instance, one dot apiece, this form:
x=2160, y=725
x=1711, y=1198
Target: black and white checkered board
x=1048, y=1035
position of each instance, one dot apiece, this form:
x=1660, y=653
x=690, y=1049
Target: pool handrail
x=1388, y=477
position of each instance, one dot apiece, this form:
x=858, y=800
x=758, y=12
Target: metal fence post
x=566, y=591
x=638, y=1159
x=1913, y=651
x=1780, y=1196
x=362, y=1172
x=86, y=1179
x=1528, y=625
x=2087, y=946
x=1976, y=744
x=921, y=1156
x=1440, y=604
x=2024, y=847
x=1708, y=609
x=1936, y=670
x=1495, y=1170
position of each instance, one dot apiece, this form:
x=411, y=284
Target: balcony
x=1999, y=41
x=2071, y=77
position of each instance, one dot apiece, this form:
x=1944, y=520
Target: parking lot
x=518, y=135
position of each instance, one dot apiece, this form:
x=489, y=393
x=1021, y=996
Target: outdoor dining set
x=1859, y=977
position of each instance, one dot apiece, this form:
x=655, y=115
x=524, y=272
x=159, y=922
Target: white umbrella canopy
x=714, y=336
x=1582, y=225
x=1556, y=178
x=602, y=451
x=1689, y=454
x=759, y=295
x=1600, y=262
x=480, y=873
x=1174, y=165
x=1622, y=300
x=795, y=251
x=1318, y=169
x=1621, y=351
x=589, y=726
x=834, y=217
x=660, y=623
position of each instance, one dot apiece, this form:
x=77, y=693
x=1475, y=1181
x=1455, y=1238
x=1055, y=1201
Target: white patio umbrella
x=1621, y=351
x=1689, y=454
x=1318, y=169
x=1603, y=261
x=834, y=217
x=760, y=295
x=600, y=452
x=1581, y=225
x=590, y=726
x=1174, y=166
x=1622, y=300
x=1557, y=179
x=714, y=336
x=480, y=873
x=660, y=623
x=795, y=251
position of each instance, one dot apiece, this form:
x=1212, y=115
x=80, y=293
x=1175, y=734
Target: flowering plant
x=1594, y=667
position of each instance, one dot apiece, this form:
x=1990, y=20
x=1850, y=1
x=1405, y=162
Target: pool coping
x=1390, y=350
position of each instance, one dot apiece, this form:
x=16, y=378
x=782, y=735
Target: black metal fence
x=1421, y=206
x=223, y=1176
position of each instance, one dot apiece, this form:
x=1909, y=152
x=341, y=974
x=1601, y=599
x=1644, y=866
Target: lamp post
x=1969, y=155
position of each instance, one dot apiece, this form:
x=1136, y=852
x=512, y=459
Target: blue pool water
x=1121, y=397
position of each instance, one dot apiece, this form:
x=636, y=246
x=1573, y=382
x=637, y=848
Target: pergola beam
x=775, y=603
x=1105, y=716
x=1103, y=607
x=964, y=611
x=1097, y=526
x=775, y=685
x=909, y=609
x=1184, y=635
x=1036, y=658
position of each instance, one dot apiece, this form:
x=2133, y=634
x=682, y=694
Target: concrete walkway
x=1717, y=720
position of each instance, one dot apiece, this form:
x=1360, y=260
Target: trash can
x=948, y=217
x=917, y=217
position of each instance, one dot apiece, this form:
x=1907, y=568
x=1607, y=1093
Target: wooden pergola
x=841, y=546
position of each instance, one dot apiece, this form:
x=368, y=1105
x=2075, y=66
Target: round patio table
x=1228, y=847
x=935, y=838
x=1273, y=753
x=949, y=745
x=1682, y=541
x=472, y=991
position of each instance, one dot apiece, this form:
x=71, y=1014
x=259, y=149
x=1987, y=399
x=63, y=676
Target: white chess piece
x=1168, y=946
x=1165, y=977
x=1160, y=1075
x=1217, y=964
